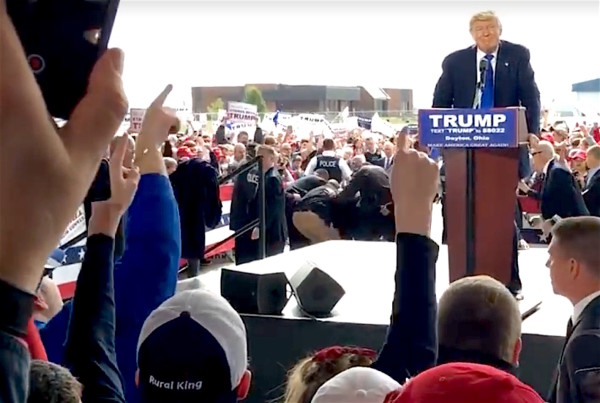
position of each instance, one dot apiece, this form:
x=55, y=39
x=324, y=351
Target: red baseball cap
x=466, y=383
x=577, y=154
x=548, y=137
x=185, y=152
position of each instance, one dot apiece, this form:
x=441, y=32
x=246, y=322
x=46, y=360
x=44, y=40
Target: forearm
x=17, y=307
x=414, y=220
x=411, y=343
x=90, y=347
x=149, y=159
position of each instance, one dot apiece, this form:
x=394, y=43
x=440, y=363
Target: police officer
x=244, y=209
x=335, y=166
x=314, y=213
x=244, y=191
x=368, y=195
x=293, y=194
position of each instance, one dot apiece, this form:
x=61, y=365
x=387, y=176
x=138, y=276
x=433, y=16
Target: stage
x=366, y=271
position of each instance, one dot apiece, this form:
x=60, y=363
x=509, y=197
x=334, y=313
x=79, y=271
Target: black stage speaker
x=316, y=292
x=254, y=293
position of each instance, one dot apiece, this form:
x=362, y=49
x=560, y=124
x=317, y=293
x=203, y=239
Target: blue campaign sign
x=468, y=128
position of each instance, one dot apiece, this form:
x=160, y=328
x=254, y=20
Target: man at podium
x=492, y=73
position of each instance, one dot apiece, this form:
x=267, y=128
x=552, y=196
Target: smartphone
x=63, y=39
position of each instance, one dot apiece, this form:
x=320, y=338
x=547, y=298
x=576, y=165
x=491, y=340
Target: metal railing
x=260, y=221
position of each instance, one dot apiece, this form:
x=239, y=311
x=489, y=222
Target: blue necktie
x=487, y=95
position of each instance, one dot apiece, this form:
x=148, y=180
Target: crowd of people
x=129, y=335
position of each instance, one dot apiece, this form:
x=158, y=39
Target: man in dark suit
x=560, y=194
x=514, y=82
x=574, y=264
x=387, y=159
x=511, y=83
x=370, y=215
x=196, y=190
x=591, y=191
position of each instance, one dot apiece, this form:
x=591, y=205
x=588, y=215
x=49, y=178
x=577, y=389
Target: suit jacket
x=591, y=194
x=373, y=184
x=578, y=376
x=381, y=163
x=560, y=194
x=196, y=190
x=514, y=81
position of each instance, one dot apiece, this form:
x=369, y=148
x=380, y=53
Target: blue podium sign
x=469, y=128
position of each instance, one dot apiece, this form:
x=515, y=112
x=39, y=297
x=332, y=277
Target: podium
x=481, y=156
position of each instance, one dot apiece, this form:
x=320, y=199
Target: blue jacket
x=145, y=276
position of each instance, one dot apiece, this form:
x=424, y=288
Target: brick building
x=310, y=98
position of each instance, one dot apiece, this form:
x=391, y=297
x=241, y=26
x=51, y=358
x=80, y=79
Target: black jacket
x=577, y=378
x=560, y=194
x=196, y=190
x=591, y=194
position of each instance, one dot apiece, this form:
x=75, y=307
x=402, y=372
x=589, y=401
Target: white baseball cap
x=356, y=385
x=208, y=369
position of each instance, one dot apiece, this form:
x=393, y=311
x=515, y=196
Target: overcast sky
x=378, y=43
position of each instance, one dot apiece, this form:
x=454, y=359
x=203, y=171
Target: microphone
x=482, y=69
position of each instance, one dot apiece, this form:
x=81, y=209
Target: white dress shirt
x=480, y=55
x=387, y=162
x=581, y=305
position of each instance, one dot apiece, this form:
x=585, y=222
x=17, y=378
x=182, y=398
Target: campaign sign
x=240, y=111
x=468, y=128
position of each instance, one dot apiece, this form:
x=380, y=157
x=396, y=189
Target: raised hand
x=123, y=181
x=45, y=172
x=414, y=185
x=123, y=185
x=157, y=122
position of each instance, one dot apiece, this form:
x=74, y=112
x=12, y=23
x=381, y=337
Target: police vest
x=331, y=165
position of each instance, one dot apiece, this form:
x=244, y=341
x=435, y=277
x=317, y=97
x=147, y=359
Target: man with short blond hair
x=574, y=263
x=479, y=321
x=511, y=79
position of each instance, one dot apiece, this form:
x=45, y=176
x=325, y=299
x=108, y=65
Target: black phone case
x=61, y=57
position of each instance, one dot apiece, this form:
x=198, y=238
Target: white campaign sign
x=76, y=227
x=240, y=111
x=136, y=119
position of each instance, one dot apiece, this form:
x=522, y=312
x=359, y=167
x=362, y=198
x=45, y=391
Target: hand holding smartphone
x=63, y=40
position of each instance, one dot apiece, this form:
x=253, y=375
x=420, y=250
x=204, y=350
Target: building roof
x=283, y=92
x=377, y=93
x=587, y=86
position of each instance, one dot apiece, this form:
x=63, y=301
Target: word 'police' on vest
x=328, y=164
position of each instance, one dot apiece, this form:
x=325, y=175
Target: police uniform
x=314, y=213
x=244, y=191
x=293, y=193
x=244, y=209
x=374, y=216
x=331, y=164
x=276, y=228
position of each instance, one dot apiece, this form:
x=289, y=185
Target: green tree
x=253, y=95
x=215, y=105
